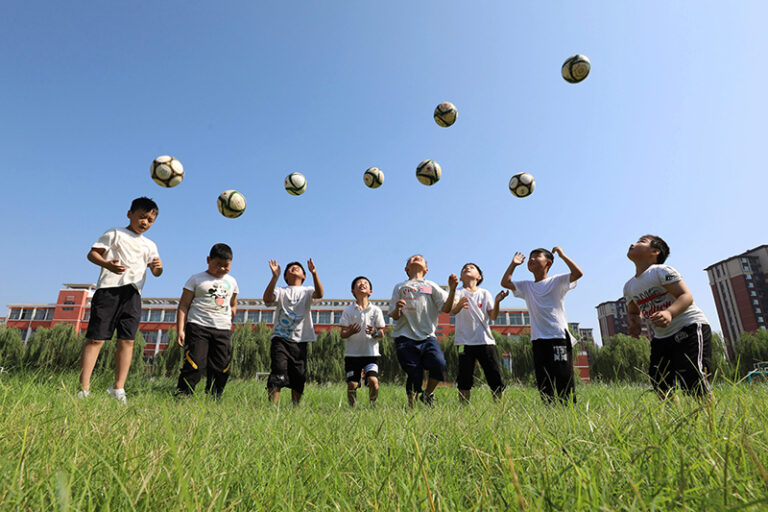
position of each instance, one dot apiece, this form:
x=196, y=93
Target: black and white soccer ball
x=373, y=177
x=231, y=204
x=576, y=68
x=445, y=114
x=295, y=184
x=522, y=184
x=429, y=172
x=166, y=171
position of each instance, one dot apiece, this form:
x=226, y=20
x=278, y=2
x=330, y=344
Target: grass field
x=617, y=449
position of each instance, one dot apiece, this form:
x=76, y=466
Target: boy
x=681, y=346
x=123, y=255
x=204, y=324
x=474, y=311
x=415, y=305
x=293, y=329
x=550, y=339
x=362, y=324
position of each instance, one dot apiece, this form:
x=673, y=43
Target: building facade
x=613, y=319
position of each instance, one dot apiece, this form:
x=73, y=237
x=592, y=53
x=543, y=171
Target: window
x=501, y=319
x=253, y=316
x=40, y=314
x=149, y=336
x=526, y=319
x=49, y=314
x=266, y=317
x=515, y=319
x=144, y=315
x=750, y=285
x=86, y=315
x=757, y=310
x=755, y=302
x=169, y=315
x=717, y=271
x=760, y=320
x=26, y=314
x=747, y=276
x=15, y=314
x=240, y=317
x=744, y=260
x=155, y=315
x=324, y=317
x=164, y=337
x=337, y=317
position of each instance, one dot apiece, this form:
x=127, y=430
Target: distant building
x=740, y=289
x=613, y=319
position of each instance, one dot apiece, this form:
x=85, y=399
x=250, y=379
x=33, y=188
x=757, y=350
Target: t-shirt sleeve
x=279, y=294
x=105, y=241
x=308, y=292
x=151, y=251
x=345, y=318
x=191, y=283
x=490, y=301
x=667, y=275
x=438, y=295
x=626, y=294
x=395, y=298
x=235, y=288
x=521, y=289
x=563, y=283
x=378, y=321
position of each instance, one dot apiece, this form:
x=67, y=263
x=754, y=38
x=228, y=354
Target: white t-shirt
x=650, y=296
x=423, y=300
x=473, y=324
x=361, y=344
x=546, y=305
x=293, y=318
x=211, y=305
x=134, y=252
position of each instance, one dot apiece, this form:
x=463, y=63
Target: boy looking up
x=204, y=324
x=681, y=345
x=124, y=255
x=551, y=341
x=362, y=324
x=293, y=329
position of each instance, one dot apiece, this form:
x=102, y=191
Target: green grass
x=617, y=449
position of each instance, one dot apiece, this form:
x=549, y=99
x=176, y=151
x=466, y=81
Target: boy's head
x=540, y=259
x=471, y=271
x=361, y=287
x=219, y=260
x=142, y=214
x=415, y=264
x=294, y=273
x=650, y=249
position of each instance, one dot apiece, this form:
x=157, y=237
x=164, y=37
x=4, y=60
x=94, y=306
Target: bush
x=624, y=359
x=11, y=348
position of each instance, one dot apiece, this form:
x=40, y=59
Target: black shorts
x=354, y=367
x=114, y=308
x=488, y=357
x=683, y=358
x=289, y=364
x=553, y=363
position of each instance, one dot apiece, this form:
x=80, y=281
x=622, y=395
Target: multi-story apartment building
x=613, y=319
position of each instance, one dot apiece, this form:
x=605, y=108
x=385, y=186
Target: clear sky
x=667, y=136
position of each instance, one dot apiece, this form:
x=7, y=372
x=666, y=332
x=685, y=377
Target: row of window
x=31, y=314
x=518, y=318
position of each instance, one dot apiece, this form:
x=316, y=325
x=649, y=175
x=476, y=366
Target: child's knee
x=94, y=343
x=373, y=382
x=125, y=343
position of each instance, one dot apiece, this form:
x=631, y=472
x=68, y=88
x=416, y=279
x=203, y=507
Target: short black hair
x=355, y=280
x=221, y=251
x=546, y=253
x=144, y=204
x=285, y=272
x=658, y=243
x=478, y=269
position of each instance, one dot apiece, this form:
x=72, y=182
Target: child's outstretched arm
x=683, y=299
x=181, y=315
x=453, y=281
x=506, y=281
x=494, y=313
x=576, y=272
x=633, y=316
x=269, y=293
x=318, y=294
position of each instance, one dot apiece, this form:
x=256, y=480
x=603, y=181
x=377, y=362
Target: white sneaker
x=82, y=394
x=118, y=394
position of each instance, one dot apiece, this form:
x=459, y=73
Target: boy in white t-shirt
x=681, y=346
x=415, y=306
x=204, y=324
x=551, y=341
x=475, y=309
x=124, y=255
x=293, y=329
x=362, y=324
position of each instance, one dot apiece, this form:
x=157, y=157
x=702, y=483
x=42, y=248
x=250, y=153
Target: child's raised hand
x=399, y=305
x=115, y=266
x=275, y=268
x=311, y=265
x=501, y=295
x=453, y=281
x=518, y=259
x=557, y=250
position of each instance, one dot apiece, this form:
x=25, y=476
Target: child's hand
x=311, y=266
x=453, y=281
x=180, y=338
x=353, y=329
x=464, y=302
x=370, y=330
x=661, y=318
x=115, y=266
x=400, y=305
x=275, y=268
x=518, y=259
x=501, y=296
x=558, y=251
x=156, y=266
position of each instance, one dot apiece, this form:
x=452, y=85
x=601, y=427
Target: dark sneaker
x=427, y=399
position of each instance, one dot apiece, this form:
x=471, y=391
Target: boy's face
x=141, y=220
x=294, y=275
x=416, y=263
x=470, y=273
x=641, y=251
x=362, y=289
x=538, y=262
x=218, y=267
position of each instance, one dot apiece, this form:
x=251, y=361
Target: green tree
x=624, y=359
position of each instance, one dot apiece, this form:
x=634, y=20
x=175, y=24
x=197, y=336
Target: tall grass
x=619, y=448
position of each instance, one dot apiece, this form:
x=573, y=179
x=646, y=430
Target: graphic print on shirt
x=285, y=323
x=652, y=301
x=219, y=292
x=410, y=294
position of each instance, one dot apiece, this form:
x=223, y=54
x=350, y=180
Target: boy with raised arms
x=124, y=254
x=551, y=341
x=362, y=324
x=293, y=329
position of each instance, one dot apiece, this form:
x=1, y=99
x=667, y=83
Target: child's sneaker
x=427, y=399
x=82, y=394
x=118, y=394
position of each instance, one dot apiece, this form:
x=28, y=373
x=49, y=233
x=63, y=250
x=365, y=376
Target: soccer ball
x=231, y=204
x=445, y=114
x=522, y=184
x=295, y=184
x=373, y=177
x=428, y=172
x=166, y=171
x=576, y=68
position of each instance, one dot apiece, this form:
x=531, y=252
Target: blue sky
x=665, y=136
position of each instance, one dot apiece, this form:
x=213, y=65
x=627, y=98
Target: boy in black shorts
x=123, y=255
x=681, y=346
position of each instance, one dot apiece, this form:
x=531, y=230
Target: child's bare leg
x=431, y=385
x=351, y=393
x=464, y=396
x=373, y=389
x=295, y=396
x=88, y=362
x=273, y=395
x=123, y=358
x=411, y=399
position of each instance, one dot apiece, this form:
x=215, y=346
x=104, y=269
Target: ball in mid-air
x=445, y=114
x=231, y=204
x=429, y=172
x=576, y=68
x=166, y=171
x=295, y=184
x=522, y=184
x=373, y=177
